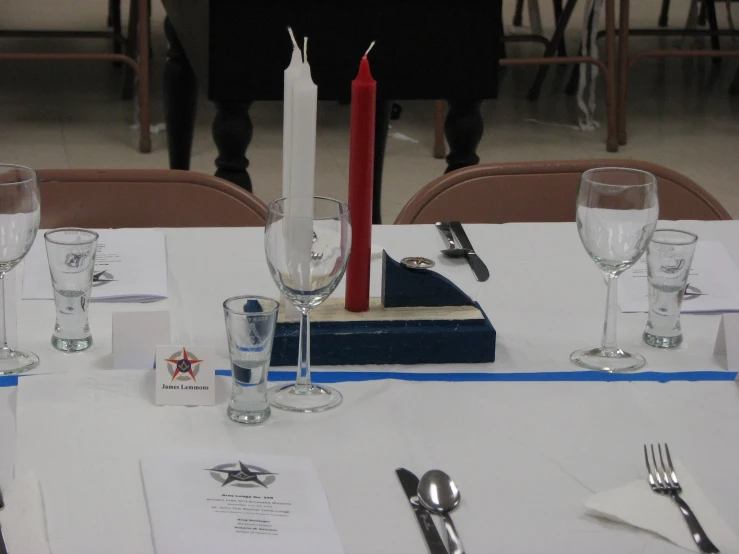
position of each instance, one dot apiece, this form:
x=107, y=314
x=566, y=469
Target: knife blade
x=478, y=266
x=409, y=482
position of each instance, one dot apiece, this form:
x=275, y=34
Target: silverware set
x=461, y=247
x=435, y=493
x=663, y=480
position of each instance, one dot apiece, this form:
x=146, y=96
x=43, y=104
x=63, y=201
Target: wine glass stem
x=303, y=379
x=609, y=327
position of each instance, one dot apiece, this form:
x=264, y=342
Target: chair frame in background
x=136, y=56
x=543, y=192
x=119, y=198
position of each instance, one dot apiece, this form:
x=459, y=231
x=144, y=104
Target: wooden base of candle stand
x=455, y=331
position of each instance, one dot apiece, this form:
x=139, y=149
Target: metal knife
x=410, y=485
x=478, y=266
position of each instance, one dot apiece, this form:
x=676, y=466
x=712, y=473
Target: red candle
x=361, y=179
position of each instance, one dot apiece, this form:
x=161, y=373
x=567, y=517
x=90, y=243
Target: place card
x=135, y=338
x=203, y=501
x=727, y=341
x=185, y=375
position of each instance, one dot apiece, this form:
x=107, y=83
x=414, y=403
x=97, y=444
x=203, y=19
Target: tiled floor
x=71, y=115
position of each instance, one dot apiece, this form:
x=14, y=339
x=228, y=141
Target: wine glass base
x=609, y=360
x=13, y=362
x=303, y=398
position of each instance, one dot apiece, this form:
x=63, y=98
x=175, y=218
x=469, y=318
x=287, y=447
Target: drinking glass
x=20, y=214
x=250, y=327
x=669, y=256
x=617, y=212
x=307, y=242
x=71, y=254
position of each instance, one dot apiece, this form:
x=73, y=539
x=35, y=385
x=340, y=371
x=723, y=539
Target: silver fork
x=665, y=482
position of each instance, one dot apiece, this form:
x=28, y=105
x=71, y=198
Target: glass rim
x=344, y=207
x=243, y=297
x=595, y=170
x=31, y=179
x=48, y=234
x=693, y=237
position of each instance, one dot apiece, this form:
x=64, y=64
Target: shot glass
x=250, y=327
x=71, y=254
x=669, y=256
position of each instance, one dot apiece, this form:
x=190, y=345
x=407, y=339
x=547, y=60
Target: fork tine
x=649, y=470
x=657, y=476
x=673, y=475
x=665, y=475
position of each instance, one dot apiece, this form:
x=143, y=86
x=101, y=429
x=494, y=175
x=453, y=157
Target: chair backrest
x=542, y=191
x=115, y=198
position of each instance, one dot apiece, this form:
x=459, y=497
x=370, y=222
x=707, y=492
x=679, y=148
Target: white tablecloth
x=525, y=454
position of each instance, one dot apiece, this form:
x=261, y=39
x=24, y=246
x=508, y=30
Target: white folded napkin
x=635, y=504
x=22, y=520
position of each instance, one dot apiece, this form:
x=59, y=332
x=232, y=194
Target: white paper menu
x=204, y=501
x=130, y=266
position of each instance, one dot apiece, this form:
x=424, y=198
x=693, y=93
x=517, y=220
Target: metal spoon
x=455, y=252
x=440, y=495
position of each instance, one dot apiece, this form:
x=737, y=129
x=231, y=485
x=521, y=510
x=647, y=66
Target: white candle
x=291, y=75
x=299, y=207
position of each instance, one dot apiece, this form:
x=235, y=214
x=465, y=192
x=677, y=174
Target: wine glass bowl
x=20, y=216
x=617, y=212
x=307, y=244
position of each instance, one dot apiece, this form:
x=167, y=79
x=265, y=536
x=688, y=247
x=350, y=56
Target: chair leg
x=623, y=71
x=663, y=14
x=518, y=15
x=551, y=48
x=710, y=8
x=557, y=4
x=131, y=42
x=114, y=21
x=702, y=15
x=574, y=83
x=142, y=48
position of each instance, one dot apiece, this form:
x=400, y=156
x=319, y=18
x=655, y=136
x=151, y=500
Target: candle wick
x=368, y=49
x=292, y=38
x=305, y=49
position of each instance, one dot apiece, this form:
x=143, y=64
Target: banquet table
x=527, y=438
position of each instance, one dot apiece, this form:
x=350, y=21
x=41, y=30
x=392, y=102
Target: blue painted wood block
x=424, y=318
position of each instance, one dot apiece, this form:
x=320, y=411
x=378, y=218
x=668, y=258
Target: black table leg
x=382, y=124
x=232, y=133
x=463, y=129
x=180, y=101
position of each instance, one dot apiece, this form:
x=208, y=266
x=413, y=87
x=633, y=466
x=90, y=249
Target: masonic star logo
x=242, y=475
x=183, y=365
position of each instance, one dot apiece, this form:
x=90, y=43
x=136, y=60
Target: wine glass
x=20, y=214
x=307, y=242
x=617, y=212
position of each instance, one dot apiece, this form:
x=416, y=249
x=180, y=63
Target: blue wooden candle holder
x=422, y=318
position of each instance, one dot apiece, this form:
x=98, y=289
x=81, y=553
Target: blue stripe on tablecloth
x=9, y=381
x=544, y=376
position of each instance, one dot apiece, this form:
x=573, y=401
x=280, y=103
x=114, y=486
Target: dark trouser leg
x=382, y=123
x=180, y=101
x=463, y=130
x=232, y=132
